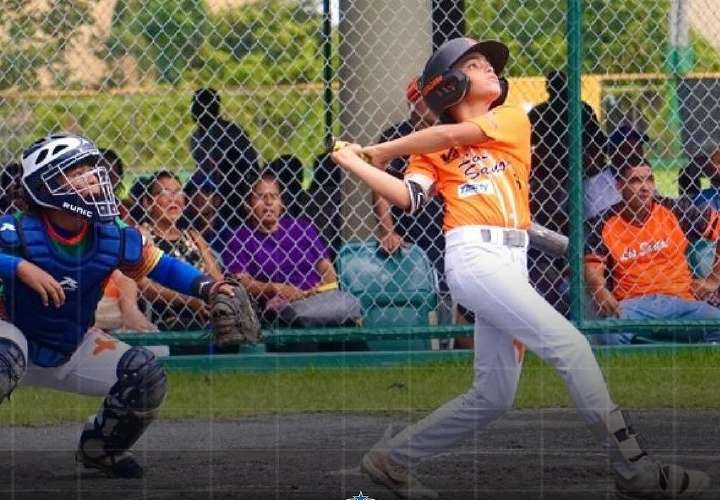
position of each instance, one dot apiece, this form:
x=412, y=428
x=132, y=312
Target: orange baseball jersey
x=649, y=258
x=487, y=183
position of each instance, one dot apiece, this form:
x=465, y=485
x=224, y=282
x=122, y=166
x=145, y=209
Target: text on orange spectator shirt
x=649, y=258
x=483, y=184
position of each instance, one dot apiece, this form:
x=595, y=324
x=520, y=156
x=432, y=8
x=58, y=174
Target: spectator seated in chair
x=641, y=243
x=164, y=205
x=278, y=258
x=202, y=212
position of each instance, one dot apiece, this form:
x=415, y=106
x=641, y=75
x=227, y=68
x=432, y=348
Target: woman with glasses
x=164, y=203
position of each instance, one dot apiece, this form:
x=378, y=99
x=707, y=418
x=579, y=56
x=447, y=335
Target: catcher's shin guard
x=12, y=367
x=127, y=411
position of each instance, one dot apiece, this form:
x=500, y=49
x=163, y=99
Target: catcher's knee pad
x=141, y=384
x=133, y=401
x=12, y=367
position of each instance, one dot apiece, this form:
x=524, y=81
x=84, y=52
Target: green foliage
x=262, y=43
x=177, y=30
x=619, y=36
x=168, y=33
x=31, y=39
x=664, y=380
x=153, y=131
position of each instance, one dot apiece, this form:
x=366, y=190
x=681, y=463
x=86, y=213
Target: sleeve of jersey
x=422, y=166
x=177, y=275
x=151, y=255
x=167, y=271
x=420, y=179
x=505, y=124
x=8, y=266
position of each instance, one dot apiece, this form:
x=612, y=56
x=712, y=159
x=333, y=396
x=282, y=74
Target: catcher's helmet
x=45, y=164
x=442, y=86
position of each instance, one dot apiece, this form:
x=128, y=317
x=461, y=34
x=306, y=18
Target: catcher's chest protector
x=53, y=333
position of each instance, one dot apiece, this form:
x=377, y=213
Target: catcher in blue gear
x=55, y=259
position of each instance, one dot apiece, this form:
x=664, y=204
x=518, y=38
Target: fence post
x=376, y=64
x=574, y=68
x=328, y=99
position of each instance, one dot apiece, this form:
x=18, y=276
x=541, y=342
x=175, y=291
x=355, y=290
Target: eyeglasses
x=169, y=193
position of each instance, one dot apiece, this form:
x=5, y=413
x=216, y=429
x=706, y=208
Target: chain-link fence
x=235, y=178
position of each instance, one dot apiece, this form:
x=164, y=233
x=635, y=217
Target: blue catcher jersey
x=53, y=333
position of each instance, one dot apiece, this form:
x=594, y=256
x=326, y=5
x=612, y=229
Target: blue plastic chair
x=395, y=290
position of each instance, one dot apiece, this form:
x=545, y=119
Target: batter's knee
x=12, y=367
x=141, y=384
x=571, y=350
x=504, y=403
x=494, y=405
x=582, y=343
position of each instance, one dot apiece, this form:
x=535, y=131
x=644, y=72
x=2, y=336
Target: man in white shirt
x=626, y=145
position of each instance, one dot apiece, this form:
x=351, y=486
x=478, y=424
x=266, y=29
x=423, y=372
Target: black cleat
x=117, y=466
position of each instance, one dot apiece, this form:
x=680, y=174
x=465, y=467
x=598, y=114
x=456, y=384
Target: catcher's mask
x=442, y=86
x=45, y=166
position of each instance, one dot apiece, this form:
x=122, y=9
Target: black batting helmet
x=504, y=91
x=442, y=86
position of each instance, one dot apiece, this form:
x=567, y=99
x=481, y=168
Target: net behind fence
x=215, y=118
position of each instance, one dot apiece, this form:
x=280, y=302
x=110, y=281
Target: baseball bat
x=337, y=145
x=547, y=240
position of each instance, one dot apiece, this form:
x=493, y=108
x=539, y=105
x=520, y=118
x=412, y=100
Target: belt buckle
x=486, y=235
x=513, y=238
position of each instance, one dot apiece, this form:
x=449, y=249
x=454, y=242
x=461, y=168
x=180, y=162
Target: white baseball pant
x=491, y=280
x=92, y=369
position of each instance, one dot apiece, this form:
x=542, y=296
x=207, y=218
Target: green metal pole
x=327, y=72
x=574, y=68
x=678, y=61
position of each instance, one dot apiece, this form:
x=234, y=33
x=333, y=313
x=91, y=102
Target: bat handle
x=338, y=145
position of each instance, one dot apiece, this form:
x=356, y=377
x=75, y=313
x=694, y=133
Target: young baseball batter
x=479, y=162
x=54, y=262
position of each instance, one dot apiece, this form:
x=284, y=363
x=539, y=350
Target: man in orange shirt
x=479, y=162
x=642, y=241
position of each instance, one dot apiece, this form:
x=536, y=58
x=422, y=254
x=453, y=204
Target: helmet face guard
x=48, y=179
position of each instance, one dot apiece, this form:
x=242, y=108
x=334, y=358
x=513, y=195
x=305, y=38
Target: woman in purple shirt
x=277, y=258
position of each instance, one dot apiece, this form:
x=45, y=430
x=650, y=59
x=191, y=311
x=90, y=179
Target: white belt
x=490, y=234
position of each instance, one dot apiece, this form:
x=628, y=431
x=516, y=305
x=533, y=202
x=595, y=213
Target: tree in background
x=164, y=34
x=619, y=36
x=264, y=43
x=32, y=39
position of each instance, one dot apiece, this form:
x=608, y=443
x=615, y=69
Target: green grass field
x=681, y=380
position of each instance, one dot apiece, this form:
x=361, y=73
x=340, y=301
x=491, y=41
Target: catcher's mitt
x=233, y=318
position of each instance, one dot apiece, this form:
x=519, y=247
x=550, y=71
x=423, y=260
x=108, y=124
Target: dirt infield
x=527, y=455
